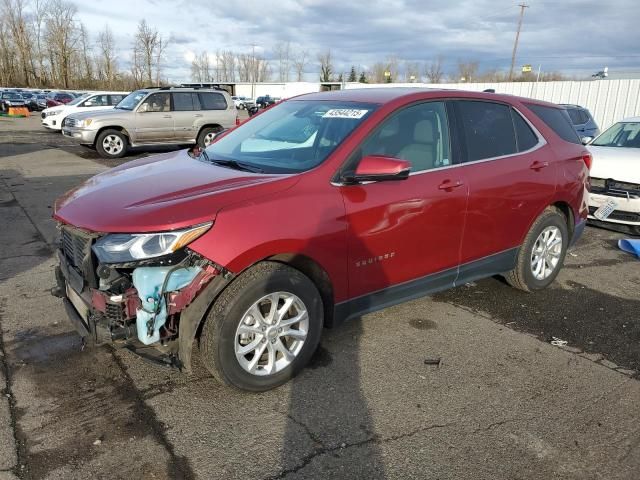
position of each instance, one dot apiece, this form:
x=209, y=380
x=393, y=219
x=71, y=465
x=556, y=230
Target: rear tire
x=234, y=325
x=112, y=144
x=542, y=253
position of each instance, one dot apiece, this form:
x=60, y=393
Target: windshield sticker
x=345, y=113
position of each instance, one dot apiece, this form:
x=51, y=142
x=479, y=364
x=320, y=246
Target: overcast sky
x=576, y=37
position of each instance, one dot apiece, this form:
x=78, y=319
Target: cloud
x=574, y=36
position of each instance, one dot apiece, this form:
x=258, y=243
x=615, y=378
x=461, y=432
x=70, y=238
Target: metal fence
x=608, y=100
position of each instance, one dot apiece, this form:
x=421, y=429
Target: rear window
x=557, y=119
x=527, y=139
x=488, y=129
x=212, y=101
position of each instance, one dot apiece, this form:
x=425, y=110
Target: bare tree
x=62, y=38
x=86, y=56
x=326, y=66
x=107, y=64
x=300, y=60
x=434, y=71
x=467, y=70
x=148, y=48
x=412, y=72
x=15, y=15
x=283, y=54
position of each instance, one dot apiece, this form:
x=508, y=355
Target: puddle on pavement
x=78, y=409
x=423, y=324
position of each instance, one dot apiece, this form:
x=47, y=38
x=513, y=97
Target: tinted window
x=584, y=116
x=574, y=115
x=115, y=99
x=212, y=101
x=158, y=102
x=558, y=120
x=196, y=101
x=488, y=129
x=182, y=101
x=524, y=135
x=419, y=134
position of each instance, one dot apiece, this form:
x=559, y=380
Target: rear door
x=186, y=112
x=512, y=178
x=154, y=119
x=404, y=236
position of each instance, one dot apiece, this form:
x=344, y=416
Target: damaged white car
x=615, y=176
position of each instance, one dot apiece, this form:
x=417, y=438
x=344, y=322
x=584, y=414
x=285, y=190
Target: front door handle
x=198, y=115
x=448, y=185
x=538, y=165
x=166, y=116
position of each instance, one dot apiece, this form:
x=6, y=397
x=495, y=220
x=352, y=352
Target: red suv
x=322, y=208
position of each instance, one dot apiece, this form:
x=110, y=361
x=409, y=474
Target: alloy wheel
x=112, y=144
x=546, y=253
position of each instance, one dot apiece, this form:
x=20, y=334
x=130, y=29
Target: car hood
x=159, y=193
x=96, y=114
x=619, y=163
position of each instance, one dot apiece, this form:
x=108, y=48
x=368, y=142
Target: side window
x=584, y=117
x=96, y=101
x=157, y=102
x=557, y=120
x=115, y=99
x=196, y=101
x=419, y=134
x=574, y=115
x=212, y=101
x=182, y=102
x=526, y=138
x=488, y=129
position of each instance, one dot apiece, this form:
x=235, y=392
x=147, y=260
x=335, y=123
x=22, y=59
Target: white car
x=52, y=117
x=615, y=175
x=243, y=102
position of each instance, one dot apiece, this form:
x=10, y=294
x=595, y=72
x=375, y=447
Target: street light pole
x=515, y=43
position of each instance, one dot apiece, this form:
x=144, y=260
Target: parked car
x=27, y=97
x=583, y=122
x=90, y=102
x=615, y=176
x=243, y=103
x=356, y=201
x=265, y=101
x=38, y=102
x=11, y=99
x=58, y=98
x=154, y=116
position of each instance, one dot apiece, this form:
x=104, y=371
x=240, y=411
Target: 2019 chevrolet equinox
x=326, y=206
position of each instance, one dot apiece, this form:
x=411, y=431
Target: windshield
x=12, y=96
x=130, y=101
x=291, y=137
x=622, y=134
x=79, y=99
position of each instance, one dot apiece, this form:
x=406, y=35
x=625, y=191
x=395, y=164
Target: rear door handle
x=198, y=115
x=449, y=185
x=538, y=165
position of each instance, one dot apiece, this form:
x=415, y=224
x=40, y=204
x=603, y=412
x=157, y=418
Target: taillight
x=588, y=160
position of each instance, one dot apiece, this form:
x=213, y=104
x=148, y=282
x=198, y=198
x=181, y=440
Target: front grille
x=75, y=247
x=615, y=188
x=619, y=215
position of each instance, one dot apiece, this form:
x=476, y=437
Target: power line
x=515, y=43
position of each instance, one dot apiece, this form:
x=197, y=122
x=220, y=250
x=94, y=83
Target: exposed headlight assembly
x=84, y=123
x=130, y=247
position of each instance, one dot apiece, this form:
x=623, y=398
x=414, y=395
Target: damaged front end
x=137, y=291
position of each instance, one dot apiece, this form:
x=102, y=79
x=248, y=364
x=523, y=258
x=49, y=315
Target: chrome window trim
x=541, y=143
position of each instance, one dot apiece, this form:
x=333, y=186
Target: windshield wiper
x=232, y=164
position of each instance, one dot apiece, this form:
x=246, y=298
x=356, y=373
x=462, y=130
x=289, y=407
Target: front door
x=404, y=236
x=154, y=119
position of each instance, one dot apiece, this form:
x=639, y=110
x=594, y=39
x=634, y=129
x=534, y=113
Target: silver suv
x=154, y=116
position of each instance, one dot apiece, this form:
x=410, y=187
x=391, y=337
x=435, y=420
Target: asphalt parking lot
x=502, y=404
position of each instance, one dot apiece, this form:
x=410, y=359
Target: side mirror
x=378, y=168
x=586, y=140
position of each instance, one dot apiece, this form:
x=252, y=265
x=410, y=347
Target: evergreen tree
x=363, y=78
x=352, y=75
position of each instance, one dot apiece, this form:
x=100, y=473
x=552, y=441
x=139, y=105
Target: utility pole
x=515, y=43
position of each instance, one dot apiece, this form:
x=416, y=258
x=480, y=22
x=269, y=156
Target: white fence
x=607, y=100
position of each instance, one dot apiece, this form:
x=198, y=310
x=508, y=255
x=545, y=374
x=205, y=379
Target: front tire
x=207, y=135
x=542, y=253
x=263, y=329
x=112, y=144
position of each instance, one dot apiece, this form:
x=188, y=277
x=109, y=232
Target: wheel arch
x=114, y=127
x=209, y=125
